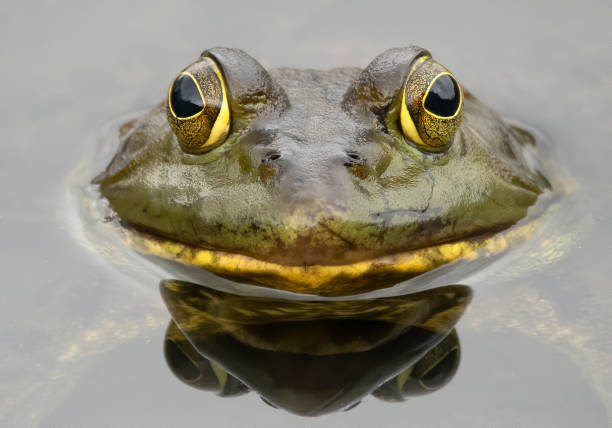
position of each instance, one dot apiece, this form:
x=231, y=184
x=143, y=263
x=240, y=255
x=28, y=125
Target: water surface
x=81, y=338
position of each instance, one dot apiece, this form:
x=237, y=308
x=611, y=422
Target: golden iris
x=432, y=105
x=197, y=107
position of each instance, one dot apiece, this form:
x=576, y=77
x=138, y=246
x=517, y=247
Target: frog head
x=309, y=177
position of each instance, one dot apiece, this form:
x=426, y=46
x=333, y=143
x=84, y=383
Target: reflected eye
x=432, y=106
x=197, y=107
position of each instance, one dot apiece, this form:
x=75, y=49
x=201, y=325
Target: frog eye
x=197, y=107
x=432, y=105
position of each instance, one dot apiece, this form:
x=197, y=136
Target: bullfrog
x=332, y=183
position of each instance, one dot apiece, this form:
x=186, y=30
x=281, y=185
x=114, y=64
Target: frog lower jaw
x=326, y=280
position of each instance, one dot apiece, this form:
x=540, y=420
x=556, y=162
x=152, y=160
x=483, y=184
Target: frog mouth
x=327, y=280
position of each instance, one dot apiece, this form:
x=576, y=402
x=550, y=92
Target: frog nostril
x=357, y=165
x=269, y=166
x=270, y=157
x=354, y=159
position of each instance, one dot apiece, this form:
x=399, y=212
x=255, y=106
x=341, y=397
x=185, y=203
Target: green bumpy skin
x=315, y=169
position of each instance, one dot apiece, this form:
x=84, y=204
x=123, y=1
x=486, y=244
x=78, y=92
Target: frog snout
x=275, y=162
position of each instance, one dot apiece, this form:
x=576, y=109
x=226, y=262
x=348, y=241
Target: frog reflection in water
x=322, y=182
x=313, y=357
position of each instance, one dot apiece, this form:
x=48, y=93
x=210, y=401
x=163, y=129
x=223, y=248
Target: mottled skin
x=316, y=170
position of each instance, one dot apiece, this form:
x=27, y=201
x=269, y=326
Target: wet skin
x=322, y=167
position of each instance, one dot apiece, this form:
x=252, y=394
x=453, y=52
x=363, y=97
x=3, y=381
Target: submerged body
x=325, y=182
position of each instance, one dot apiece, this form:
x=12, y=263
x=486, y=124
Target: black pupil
x=185, y=98
x=443, y=96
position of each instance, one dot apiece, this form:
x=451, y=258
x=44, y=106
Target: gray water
x=81, y=334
